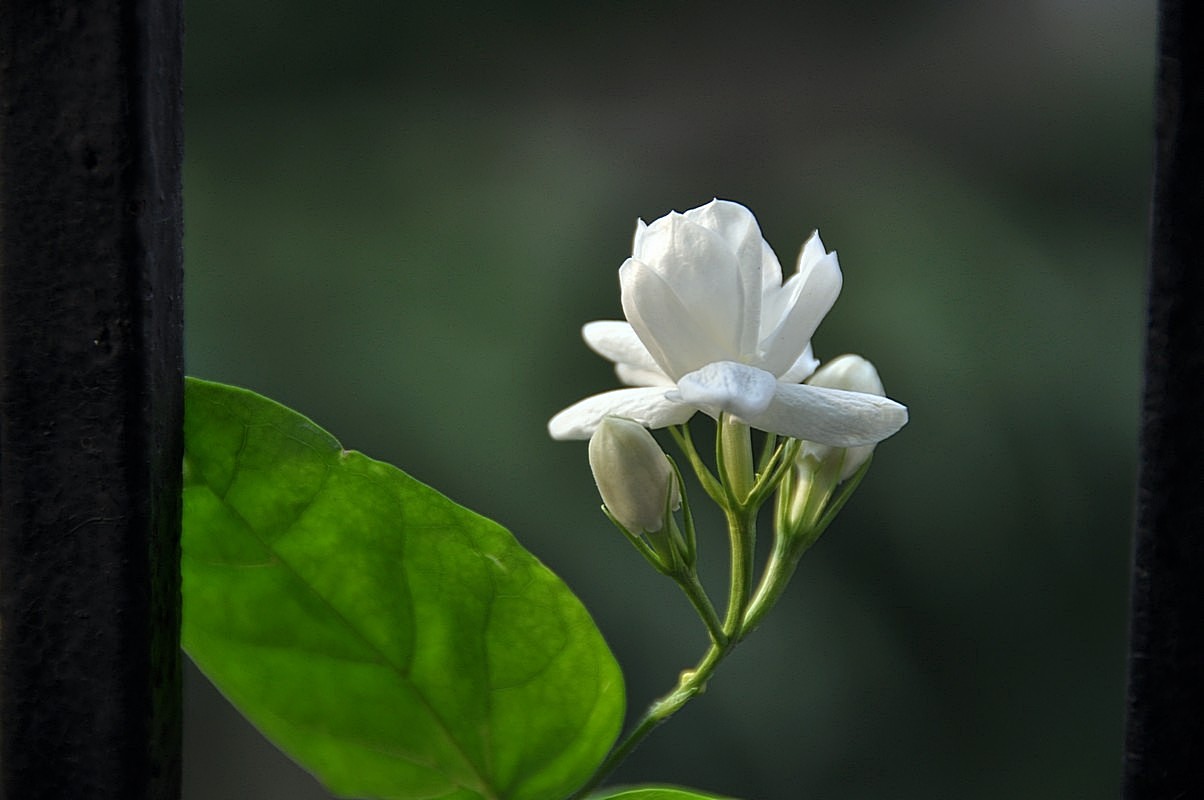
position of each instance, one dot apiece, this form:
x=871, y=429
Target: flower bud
x=633, y=474
x=819, y=469
x=852, y=374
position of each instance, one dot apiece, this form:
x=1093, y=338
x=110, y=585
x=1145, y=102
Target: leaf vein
x=485, y=787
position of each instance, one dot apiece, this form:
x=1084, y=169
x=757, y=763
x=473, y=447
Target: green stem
x=790, y=545
x=776, y=467
x=742, y=531
x=689, y=583
x=692, y=682
x=725, y=636
x=710, y=484
x=778, y=570
x=639, y=544
x=768, y=453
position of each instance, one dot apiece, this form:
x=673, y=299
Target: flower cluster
x=711, y=326
x=714, y=326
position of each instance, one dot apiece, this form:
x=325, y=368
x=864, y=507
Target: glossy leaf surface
x=392, y=642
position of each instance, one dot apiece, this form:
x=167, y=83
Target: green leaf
x=394, y=643
x=655, y=793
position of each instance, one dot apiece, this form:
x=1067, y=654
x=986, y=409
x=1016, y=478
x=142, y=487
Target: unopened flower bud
x=634, y=476
x=818, y=468
x=852, y=374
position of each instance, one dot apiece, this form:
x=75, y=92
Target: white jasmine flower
x=711, y=326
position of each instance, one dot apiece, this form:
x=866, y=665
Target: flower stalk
x=690, y=684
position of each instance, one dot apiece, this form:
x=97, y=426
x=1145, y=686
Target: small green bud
x=634, y=476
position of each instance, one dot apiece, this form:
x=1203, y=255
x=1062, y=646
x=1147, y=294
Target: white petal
x=646, y=405
x=734, y=223
x=704, y=271
x=618, y=342
x=830, y=416
x=679, y=339
x=727, y=386
x=738, y=228
x=851, y=373
x=680, y=249
x=802, y=368
x=798, y=307
x=855, y=374
x=813, y=250
x=636, y=241
x=638, y=376
x=771, y=268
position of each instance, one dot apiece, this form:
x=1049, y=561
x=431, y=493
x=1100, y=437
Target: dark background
x=399, y=215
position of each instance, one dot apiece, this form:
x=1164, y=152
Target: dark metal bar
x=1164, y=737
x=91, y=406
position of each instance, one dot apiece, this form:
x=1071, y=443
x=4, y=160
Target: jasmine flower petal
x=854, y=374
x=618, y=341
x=796, y=309
x=637, y=376
x=802, y=368
x=727, y=386
x=736, y=226
x=679, y=340
x=830, y=416
x=645, y=405
x=700, y=266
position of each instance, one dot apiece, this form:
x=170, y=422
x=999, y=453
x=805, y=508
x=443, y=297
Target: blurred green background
x=400, y=214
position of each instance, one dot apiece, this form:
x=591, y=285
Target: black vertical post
x=90, y=398
x=1164, y=737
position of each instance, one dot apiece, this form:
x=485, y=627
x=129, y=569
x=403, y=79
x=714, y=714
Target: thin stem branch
x=689, y=583
x=789, y=547
x=692, y=682
x=780, y=567
x=642, y=547
x=776, y=467
x=769, y=452
x=724, y=635
x=710, y=484
x=742, y=527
